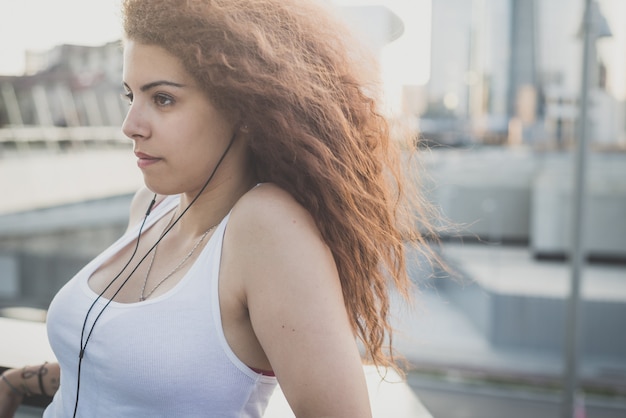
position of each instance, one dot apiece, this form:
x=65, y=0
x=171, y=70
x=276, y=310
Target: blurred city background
x=492, y=91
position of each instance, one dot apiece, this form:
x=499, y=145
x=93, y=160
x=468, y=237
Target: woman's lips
x=145, y=160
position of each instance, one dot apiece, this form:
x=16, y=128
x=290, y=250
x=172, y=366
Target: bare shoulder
x=272, y=244
x=273, y=238
x=270, y=211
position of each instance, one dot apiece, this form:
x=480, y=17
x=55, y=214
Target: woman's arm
x=42, y=379
x=295, y=303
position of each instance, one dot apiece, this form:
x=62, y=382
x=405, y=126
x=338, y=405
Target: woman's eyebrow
x=157, y=83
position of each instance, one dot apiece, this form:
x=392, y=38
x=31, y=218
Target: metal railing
x=22, y=135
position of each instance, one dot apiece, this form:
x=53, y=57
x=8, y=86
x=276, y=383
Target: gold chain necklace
x=144, y=296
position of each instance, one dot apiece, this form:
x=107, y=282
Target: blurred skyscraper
x=511, y=70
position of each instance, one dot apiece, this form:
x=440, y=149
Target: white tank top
x=164, y=357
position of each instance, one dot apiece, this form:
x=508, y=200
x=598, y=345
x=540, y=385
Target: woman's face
x=178, y=134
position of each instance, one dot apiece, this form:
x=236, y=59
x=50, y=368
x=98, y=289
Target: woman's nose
x=135, y=124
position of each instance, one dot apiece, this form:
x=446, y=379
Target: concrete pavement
x=438, y=335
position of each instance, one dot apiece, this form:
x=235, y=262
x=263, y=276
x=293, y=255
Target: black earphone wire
x=83, y=347
x=82, y=332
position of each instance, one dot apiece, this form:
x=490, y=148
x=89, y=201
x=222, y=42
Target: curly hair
x=306, y=93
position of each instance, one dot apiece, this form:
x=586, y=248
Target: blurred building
x=67, y=86
x=510, y=71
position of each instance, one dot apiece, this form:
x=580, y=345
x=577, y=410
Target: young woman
x=266, y=240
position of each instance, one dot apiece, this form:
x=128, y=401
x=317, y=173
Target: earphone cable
x=83, y=347
x=82, y=333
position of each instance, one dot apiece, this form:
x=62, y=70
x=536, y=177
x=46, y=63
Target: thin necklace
x=144, y=296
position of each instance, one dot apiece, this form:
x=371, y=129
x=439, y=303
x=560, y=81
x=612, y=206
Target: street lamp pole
x=577, y=252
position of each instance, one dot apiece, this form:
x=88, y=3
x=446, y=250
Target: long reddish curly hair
x=305, y=90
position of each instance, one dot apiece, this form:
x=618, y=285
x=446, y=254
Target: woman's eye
x=163, y=99
x=128, y=96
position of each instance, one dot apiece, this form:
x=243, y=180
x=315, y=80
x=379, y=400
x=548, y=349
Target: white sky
x=42, y=24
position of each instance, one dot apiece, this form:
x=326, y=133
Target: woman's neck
x=213, y=204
